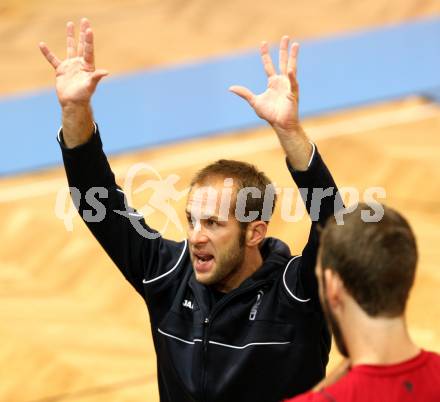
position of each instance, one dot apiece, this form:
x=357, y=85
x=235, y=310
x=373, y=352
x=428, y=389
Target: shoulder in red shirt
x=414, y=380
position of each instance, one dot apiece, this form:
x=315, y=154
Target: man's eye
x=211, y=222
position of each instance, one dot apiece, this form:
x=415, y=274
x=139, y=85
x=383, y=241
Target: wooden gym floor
x=71, y=327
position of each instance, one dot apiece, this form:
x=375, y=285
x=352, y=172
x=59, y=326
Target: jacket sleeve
x=139, y=252
x=322, y=199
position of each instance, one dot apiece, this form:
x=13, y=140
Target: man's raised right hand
x=76, y=81
x=76, y=76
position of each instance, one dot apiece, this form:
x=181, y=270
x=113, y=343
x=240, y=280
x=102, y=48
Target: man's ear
x=255, y=233
x=333, y=287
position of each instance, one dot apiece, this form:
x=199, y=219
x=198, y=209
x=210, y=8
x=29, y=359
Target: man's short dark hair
x=375, y=260
x=245, y=175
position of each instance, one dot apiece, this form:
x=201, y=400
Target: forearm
x=319, y=190
x=296, y=146
x=104, y=209
x=78, y=124
x=320, y=195
x=86, y=164
x=122, y=232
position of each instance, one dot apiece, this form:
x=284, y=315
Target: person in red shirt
x=365, y=270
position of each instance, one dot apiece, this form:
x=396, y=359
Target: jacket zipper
x=207, y=325
x=254, y=309
x=204, y=357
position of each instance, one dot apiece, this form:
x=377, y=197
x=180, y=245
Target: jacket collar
x=275, y=255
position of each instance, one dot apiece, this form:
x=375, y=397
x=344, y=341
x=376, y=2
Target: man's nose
x=196, y=234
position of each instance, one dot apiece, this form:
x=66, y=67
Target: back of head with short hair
x=375, y=260
x=244, y=175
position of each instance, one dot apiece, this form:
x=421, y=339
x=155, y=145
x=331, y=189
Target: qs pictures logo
x=93, y=204
x=163, y=191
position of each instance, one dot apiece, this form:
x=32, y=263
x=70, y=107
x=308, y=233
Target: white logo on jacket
x=188, y=304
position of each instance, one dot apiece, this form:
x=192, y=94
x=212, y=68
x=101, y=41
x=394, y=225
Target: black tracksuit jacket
x=262, y=342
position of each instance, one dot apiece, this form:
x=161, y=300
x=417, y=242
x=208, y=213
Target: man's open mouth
x=203, y=257
x=203, y=262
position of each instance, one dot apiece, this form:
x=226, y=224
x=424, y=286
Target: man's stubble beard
x=229, y=261
x=333, y=324
x=335, y=328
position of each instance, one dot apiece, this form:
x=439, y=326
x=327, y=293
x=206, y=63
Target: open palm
x=76, y=76
x=278, y=105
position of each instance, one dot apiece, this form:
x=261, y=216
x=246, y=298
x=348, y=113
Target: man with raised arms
x=234, y=316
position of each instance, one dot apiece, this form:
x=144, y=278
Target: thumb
x=97, y=76
x=244, y=93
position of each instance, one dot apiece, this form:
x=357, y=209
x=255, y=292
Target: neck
x=377, y=341
x=252, y=261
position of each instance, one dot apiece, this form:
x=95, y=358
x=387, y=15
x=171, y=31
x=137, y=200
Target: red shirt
x=414, y=380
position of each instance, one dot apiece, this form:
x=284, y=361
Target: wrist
x=296, y=145
x=70, y=107
x=292, y=130
x=77, y=122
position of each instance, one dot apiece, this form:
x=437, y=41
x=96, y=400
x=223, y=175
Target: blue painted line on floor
x=175, y=103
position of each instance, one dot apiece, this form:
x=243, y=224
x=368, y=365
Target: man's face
x=326, y=308
x=215, y=236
